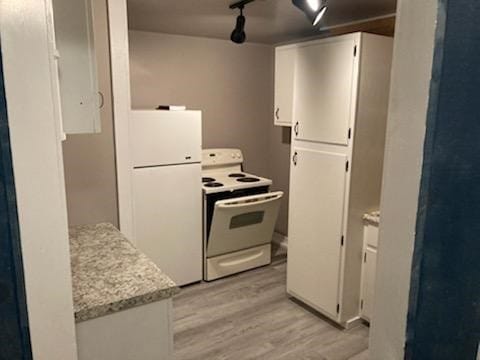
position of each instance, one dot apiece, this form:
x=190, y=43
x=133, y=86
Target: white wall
x=38, y=171
x=411, y=74
x=231, y=84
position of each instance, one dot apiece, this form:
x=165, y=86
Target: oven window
x=213, y=198
x=247, y=219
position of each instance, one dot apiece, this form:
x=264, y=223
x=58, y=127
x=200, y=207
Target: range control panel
x=221, y=157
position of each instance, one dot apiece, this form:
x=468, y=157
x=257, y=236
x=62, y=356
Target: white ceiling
x=268, y=21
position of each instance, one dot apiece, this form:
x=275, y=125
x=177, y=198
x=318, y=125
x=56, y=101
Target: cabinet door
x=284, y=83
x=368, y=291
x=323, y=91
x=168, y=224
x=317, y=196
x=80, y=98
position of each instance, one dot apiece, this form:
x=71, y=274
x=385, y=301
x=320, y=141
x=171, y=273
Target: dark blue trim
x=444, y=308
x=14, y=330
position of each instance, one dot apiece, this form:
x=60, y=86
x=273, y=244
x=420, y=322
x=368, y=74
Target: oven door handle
x=251, y=201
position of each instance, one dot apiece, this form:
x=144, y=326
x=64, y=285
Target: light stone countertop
x=372, y=218
x=109, y=274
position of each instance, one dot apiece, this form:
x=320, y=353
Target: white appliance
x=166, y=152
x=239, y=215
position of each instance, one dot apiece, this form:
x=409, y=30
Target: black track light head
x=238, y=34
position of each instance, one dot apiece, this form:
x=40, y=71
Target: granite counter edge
x=95, y=312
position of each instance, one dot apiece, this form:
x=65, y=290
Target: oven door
x=242, y=223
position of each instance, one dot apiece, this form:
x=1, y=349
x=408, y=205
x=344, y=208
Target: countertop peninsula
x=109, y=274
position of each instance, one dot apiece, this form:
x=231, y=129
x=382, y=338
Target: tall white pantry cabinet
x=340, y=104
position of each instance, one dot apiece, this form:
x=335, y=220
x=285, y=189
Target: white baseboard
x=280, y=240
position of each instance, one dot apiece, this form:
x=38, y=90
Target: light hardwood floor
x=250, y=316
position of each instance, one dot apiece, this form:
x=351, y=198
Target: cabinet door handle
x=295, y=158
x=296, y=128
x=277, y=113
x=102, y=100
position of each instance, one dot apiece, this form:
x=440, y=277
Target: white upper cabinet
x=324, y=90
x=80, y=97
x=284, y=85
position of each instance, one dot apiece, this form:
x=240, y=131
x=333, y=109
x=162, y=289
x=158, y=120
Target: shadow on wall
x=279, y=170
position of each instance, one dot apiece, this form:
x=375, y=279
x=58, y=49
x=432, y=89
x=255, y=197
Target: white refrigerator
x=166, y=151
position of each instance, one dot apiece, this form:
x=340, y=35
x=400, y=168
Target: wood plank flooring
x=250, y=316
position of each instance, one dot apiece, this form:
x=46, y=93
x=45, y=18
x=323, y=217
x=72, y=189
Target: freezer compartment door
x=165, y=137
x=243, y=223
x=168, y=219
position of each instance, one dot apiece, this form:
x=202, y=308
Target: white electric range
x=239, y=215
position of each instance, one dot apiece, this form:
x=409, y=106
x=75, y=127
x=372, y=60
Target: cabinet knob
x=277, y=113
x=102, y=100
x=295, y=158
x=296, y=128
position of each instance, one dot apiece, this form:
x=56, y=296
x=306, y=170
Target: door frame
x=445, y=287
x=36, y=148
x=427, y=289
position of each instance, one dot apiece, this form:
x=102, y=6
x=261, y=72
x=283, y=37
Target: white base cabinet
x=369, y=270
x=143, y=332
x=340, y=109
x=368, y=283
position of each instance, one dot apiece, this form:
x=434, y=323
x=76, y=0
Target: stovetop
x=231, y=181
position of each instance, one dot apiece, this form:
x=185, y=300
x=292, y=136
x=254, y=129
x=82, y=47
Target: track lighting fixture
x=238, y=34
x=313, y=9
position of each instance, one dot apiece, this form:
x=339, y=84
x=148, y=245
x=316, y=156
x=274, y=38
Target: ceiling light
x=238, y=34
x=319, y=15
x=313, y=9
x=314, y=4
